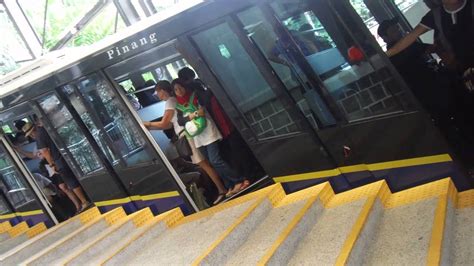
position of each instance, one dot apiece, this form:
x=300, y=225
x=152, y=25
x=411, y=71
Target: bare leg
x=80, y=194
x=206, y=166
x=70, y=195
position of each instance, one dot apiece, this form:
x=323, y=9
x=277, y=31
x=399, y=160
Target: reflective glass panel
x=12, y=182
x=296, y=82
x=109, y=120
x=244, y=83
x=75, y=145
x=351, y=70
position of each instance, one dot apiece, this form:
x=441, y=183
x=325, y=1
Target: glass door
x=77, y=150
x=120, y=138
x=259, y=102
x=20, y=193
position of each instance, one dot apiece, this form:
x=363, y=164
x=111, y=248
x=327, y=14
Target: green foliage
x=62, y=14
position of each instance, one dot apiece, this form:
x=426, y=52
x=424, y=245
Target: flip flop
x=245, y=185
x=221, y=197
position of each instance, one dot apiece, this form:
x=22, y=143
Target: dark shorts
x=68, y=177
x=56, y=179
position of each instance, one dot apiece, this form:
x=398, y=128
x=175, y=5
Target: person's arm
x=27, y=154
x=49, y=158
x=165, y=122
x=407, y=40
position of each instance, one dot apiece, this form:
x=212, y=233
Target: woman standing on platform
x=200, y=126
x=165, y=93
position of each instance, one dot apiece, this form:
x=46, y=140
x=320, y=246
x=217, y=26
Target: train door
x=164, y=63
x=100, y=112
x=272, y=123
x=21, y=195
x=308, y=88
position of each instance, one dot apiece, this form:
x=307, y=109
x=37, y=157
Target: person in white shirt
x=207, y=141
x=165, y=93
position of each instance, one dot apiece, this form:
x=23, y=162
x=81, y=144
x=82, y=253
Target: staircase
x=430, y=224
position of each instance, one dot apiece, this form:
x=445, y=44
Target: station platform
x=430, y=224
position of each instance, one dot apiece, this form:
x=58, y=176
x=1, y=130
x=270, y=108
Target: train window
x=12, y=182
x=108, y=120
x=349, y=68
x=148, y=76
x=244, y=83
x=7, y=129
x=84, y=158
x=127, y=85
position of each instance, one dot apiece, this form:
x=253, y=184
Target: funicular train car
x=307, y=110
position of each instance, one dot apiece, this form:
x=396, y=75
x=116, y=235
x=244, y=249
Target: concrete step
x=208, y=234
x=291, y=214
x=144, y=237
x=110, y=240
x=23, y=237
x=461, y=247
x=326, y=239
x=404, y=228
x=59, y=250
x=42, y=241
x=403, y=235
x=14, y=231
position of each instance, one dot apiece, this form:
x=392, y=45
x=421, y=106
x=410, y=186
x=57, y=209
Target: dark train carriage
x=304, y=83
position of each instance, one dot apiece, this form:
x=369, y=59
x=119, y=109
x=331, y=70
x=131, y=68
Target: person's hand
x=54, y=168
x=147, y=124
x=191, y=116
x=200, y=112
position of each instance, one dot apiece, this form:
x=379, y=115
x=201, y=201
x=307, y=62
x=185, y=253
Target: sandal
x=221, y=197
x=234, y=190
x=245, y=185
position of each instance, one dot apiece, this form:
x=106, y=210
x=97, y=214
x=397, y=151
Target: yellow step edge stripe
x=5, y=226
x=118, y=225
x=228, y=231
x=229, y=204
x=89, y=215
x=303, y=194
x=415, y=194
x=366, y=167
x=23, y=214
x=108, y=215
x=410, y=162
x=174, y=213
x=441, y=188
x=18, y=229
x=51, y=231
x=437, y=232
x=308, y=176
x=351, y=239
x=7, y=216
x=163, y=195
x=36, y=230
x=465, y=199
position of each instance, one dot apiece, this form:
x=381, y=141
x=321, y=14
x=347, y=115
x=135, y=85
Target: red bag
x=221, y=118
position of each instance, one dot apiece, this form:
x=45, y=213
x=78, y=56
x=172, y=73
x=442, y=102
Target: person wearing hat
x=68, y=182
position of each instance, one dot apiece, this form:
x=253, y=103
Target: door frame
x=25, y=172
x=190, y=51
x=149, y=138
